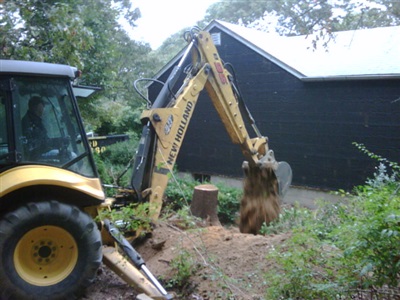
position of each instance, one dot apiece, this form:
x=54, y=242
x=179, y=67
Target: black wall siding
x=311, y=125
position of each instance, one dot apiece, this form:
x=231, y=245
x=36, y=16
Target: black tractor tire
x=48, y=250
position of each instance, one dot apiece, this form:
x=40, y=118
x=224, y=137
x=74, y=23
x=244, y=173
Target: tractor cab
x=40, y=121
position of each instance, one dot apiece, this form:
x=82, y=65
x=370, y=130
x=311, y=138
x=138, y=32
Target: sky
x=162, y=18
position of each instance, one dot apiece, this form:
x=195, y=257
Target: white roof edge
x=349, y=77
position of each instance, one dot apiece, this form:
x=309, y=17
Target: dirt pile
x=225, y=263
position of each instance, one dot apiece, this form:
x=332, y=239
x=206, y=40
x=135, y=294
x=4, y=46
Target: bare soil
x=226, y=264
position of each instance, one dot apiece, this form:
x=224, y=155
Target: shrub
x=289, y=218
x=132, y=219
x=179, y=192
x=345, y=247
x=101, y=168
x=121, y=153
x=228, y=203
x=114, y=164
x=305, y=269
x=371, y=238
x=183, y=266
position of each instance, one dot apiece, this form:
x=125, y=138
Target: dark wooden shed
x=311, y=104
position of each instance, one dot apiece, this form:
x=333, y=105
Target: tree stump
x=205, y=202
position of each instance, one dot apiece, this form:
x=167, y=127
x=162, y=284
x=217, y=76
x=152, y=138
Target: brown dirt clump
x=260, y=203
x=226, y=264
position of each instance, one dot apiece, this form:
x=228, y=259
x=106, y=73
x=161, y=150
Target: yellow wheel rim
x=45, y=255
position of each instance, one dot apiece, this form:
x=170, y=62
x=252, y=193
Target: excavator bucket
x=264, y=187
x=283, y=174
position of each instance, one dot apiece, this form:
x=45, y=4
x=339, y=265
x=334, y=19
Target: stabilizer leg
x=123, y=268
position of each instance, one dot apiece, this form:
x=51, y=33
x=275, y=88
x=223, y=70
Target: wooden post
x=205, y=202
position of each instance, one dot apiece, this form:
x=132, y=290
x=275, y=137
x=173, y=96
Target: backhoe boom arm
x=168, y=122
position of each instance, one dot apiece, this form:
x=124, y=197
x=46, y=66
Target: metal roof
x=357, y=54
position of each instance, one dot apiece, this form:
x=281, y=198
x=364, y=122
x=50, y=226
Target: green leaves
x=307, y=17
x=344, y=247
x=45, y=31
x=183, y=266
x=88, y=35
x=113, y=162
x=131, y=219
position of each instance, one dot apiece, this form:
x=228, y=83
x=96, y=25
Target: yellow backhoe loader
x=51, y=242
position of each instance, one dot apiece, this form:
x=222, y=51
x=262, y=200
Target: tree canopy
x=302, y=17
x=86, y=34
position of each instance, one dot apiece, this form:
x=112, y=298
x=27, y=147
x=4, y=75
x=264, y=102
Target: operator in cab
x=34, y=130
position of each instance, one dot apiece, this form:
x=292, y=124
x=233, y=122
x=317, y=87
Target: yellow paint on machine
x=30, y=175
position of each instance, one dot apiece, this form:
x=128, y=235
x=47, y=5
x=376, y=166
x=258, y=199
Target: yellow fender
x=31, y=175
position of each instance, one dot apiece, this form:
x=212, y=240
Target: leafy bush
x=183, y=266
x=179, y=192
x=371, y=238
x=133, y=219
x=228, y=203
x=113, y=163
x=342, y=248
x=305, y=269
x=289, y=218
x=121, y=153
x=102, y=169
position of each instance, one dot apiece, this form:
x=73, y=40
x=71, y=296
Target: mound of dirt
x=225, y=264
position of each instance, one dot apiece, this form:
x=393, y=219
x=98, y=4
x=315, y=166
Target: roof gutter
x=350, y=77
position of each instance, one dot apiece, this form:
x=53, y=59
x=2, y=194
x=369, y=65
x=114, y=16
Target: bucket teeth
x=268, y=161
